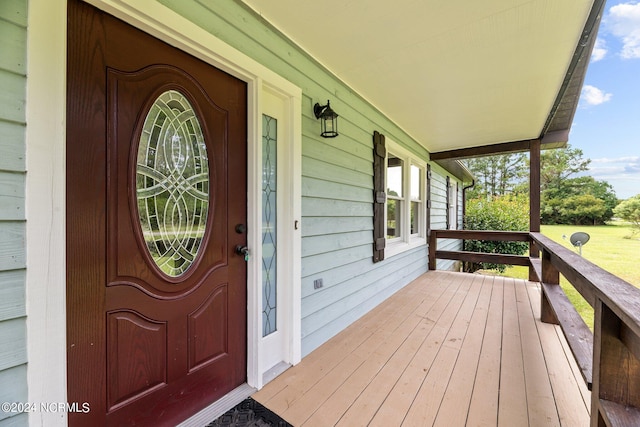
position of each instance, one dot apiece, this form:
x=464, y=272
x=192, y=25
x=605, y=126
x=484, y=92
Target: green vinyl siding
x=12, y=195
x=12, y=303
x=17, y=392
x=13, y=334
x=439, y=212
x=12, y=94
x=337, y=176
x=18, y=420
x=358, y=286
x=12, y=146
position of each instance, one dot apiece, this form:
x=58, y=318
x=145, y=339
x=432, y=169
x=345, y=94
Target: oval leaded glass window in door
x=172, y=183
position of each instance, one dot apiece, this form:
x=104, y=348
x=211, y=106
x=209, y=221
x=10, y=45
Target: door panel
x=131, y=376
x=156, y=295
x=205, y=343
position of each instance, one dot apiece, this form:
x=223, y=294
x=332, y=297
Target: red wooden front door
x=156, y=206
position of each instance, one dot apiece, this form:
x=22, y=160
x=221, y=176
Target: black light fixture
x=328, y=120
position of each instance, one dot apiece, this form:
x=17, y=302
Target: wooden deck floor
x=450, y=349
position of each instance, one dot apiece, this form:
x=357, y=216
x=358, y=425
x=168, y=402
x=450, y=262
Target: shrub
x=629, y=210
x=583, y=209
x=504, y=213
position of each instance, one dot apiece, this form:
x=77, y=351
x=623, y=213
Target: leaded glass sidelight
x=172, y=183
x=269, y=230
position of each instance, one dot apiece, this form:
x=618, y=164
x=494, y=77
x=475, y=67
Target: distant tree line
x=500, y=198
x=566, y=196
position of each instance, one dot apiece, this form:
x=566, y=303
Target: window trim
x=400, y=200
x=421, y=220
x=452, y=204
x=407, y=241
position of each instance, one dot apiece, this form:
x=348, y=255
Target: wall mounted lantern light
x=328, y=120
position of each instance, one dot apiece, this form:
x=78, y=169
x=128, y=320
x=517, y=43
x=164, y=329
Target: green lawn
x=608, y=248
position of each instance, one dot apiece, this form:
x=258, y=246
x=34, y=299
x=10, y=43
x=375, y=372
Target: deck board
x=542, y=410
x=425, y=407
x=373, y=396
x=450, y=349
x=460, y=388
x=406, y=387
x=512, y=403
x=564, y=382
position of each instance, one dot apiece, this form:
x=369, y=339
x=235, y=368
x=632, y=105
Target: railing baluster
x=616, y=389
x=433, y=246
x=550, y=276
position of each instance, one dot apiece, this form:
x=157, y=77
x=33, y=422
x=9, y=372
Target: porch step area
x=450, y=349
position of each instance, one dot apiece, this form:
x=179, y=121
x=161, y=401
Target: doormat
x=249, y=413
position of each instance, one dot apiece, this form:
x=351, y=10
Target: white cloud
x=623, y=173
x=624, y=22
x=621, y=167
x=630, y=159
x=599, y=50
x=594, y=96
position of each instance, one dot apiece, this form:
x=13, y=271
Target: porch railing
x=608, y=357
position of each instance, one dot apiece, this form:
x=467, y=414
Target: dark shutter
x=448, y=203
x=379, y=196
x=428, y=200
x=457, y=205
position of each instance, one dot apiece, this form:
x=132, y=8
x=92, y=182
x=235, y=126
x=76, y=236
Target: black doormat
x=249, y=413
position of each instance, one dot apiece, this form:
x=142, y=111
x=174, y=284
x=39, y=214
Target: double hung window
x=405, y=200
x=395, y=197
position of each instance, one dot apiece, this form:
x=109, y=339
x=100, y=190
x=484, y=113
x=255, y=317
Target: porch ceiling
x=453, y=76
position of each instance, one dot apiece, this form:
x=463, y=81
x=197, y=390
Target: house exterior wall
x=13, y=334
x=439, y=212
x=337, y=178
x=337, y=183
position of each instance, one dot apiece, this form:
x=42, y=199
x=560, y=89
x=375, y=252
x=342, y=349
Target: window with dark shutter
x=379, y=196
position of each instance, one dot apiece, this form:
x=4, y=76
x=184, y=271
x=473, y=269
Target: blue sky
x=606, y=126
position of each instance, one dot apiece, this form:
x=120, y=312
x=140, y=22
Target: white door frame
x=45, y=194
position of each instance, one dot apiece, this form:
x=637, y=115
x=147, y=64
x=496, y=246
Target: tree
x=599, y=189
x=558, y=165
x=629, y=210
x=497, y=175
x=578, y=201
x=572, y=200
x=582, y=210
x=563, y=194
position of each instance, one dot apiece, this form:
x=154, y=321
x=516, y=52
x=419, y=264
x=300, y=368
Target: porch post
x=534, y=199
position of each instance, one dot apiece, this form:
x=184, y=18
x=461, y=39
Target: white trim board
x=45, y=193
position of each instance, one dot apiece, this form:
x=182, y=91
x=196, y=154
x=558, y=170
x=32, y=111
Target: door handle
x=244, y=251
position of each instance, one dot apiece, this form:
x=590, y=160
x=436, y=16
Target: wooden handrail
x=609, y=359
x=593, y=282
x=504, y=236
x=508, y=236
